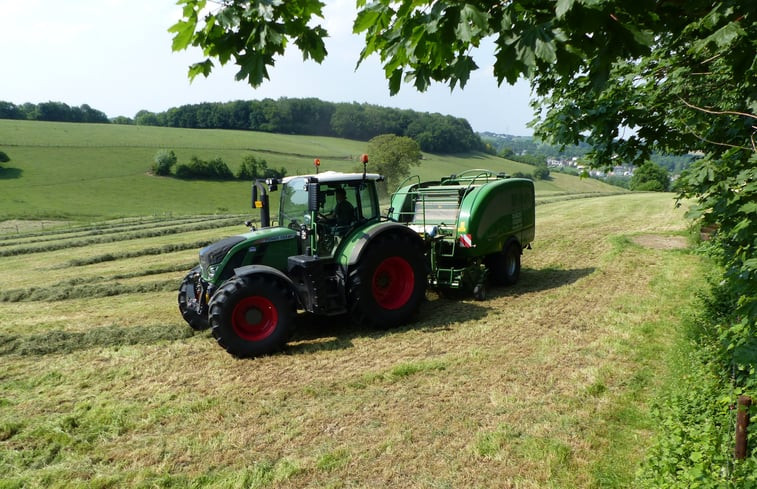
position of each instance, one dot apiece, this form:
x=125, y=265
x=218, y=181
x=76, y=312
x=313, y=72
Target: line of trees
x=435, y=133
x=52, y=111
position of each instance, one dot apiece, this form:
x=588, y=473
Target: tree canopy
x=650, y=177
x=52, y=111
x=393, y=156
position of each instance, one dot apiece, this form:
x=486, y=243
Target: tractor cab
x=325, y=207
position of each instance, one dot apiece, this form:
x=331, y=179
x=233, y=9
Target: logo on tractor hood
x=270, y=239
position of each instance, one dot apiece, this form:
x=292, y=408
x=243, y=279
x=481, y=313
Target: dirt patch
x=658, y=242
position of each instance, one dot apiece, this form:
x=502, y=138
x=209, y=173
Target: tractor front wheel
x=252, y=316
x=191, y=301
x=388, y=283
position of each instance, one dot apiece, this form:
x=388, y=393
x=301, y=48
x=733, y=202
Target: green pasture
x=546, y=384
x=88, y=172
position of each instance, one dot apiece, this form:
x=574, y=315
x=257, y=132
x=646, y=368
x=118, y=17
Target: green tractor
x=333, y=253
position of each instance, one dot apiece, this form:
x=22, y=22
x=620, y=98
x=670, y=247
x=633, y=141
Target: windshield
x=361, y=197
x=294, y=202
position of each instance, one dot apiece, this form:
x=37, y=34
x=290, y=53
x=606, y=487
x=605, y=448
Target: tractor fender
x=266, y=270
x=353, y=253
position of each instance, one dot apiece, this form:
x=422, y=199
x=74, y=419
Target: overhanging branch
x=717, y=112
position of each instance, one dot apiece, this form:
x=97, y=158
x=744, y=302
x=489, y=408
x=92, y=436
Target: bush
x=541, y=172
x=4, y=158
x=650, y=177
x=214, y=169
x=164, y=161
x=618, y=181
x=253, y=168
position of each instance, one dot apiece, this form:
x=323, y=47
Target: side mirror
x=313, y=197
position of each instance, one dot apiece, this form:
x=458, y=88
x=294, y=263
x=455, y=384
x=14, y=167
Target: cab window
x=294, y=202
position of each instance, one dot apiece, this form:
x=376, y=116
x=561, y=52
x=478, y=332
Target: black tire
x=191, y=304
x=252, y=316
x=504, y=267
x=389, y=282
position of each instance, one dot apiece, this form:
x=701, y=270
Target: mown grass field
x=546, y=384
x=84, y=172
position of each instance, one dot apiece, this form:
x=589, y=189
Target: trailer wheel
x=388, y=283
x=191, y=305
x=252, y=315
x=505, y=266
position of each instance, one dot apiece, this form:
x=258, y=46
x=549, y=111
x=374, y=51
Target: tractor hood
x=262, y=246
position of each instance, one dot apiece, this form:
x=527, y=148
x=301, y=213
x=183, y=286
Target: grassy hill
x=98, y=171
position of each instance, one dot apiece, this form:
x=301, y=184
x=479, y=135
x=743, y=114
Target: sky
x=115, y=55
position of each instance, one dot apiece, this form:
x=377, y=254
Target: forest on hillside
x=435, y=133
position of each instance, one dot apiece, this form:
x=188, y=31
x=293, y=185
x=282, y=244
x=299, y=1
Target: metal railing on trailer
x=434, y=212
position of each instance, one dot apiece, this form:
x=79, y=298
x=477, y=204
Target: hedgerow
x=696, y=415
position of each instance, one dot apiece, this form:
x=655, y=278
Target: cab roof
x=334, y=176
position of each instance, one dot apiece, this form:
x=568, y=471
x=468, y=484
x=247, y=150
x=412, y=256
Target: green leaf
x=184, y=34
x=562, y=7
x=202, y=68
x=462, y=69
x=395, y=81
x=749, y=208
x=464, y=32
x=545, y=50
x=366, y=19
x=477, y=17
x=723, y=37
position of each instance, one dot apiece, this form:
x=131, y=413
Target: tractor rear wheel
x=191, y=305
x=252, y=315
x=388, y=283
x=505, y=266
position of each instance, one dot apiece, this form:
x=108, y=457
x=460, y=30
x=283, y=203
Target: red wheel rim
x=254, y=318
x=393, y=283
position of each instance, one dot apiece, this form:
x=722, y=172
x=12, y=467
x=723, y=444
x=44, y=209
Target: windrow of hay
x=131, y=235
x=109, y=227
